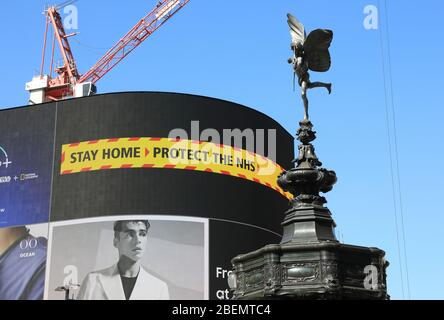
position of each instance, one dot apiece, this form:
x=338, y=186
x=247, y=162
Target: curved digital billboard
x=131, y=191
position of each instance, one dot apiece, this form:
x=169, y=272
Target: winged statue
x=309, y=53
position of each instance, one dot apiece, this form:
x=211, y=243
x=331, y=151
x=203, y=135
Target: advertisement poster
x=26, y=149
x=128, y=257
x=22, y=262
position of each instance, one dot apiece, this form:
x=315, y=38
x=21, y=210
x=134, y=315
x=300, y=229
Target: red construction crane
x=68, y=82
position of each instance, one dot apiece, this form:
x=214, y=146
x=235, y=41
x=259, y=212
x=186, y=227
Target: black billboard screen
x=169, y=185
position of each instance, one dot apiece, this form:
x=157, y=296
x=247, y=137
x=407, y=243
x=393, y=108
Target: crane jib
x=68, y=83
x=139, y=33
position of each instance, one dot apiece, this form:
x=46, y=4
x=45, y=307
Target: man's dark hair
x=118, y=225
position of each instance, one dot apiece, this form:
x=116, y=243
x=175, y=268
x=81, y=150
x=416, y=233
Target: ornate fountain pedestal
x=309, y=263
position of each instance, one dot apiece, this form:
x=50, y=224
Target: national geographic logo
x=28, y=176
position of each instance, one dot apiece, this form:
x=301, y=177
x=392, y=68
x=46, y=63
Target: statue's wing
x=297, y=30
x=316, y=49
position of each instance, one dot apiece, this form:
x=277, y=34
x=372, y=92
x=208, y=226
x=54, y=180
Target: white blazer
x=107, y=285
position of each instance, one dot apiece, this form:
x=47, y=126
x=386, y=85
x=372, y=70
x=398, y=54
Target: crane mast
x=68, y=82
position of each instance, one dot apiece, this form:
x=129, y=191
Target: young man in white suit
x=127, y=279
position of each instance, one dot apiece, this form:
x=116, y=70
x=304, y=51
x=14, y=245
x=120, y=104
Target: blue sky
x=237, y=50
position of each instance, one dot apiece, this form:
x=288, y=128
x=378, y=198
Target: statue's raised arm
x=309, y=53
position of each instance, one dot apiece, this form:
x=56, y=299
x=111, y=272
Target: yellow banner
x=127, y=153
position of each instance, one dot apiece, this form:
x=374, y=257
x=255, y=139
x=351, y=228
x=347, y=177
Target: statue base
x=307, y=225
x=323, y=270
